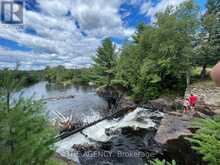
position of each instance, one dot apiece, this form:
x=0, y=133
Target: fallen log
x=69, y=133
x=58, y=98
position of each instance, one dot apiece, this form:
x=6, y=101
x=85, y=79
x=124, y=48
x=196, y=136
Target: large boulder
x=126, y=104
x=173, y=127
x=107, y=92
x=163, y=104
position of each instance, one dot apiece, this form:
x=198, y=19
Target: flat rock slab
x=172, y=127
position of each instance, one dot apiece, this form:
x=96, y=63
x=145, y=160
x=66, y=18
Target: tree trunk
x=8, y=101
x=203, y=72
x=187, y=78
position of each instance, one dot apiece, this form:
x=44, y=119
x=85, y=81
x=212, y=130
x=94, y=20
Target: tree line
x=161, y=57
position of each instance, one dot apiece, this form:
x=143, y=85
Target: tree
x=207, y=49
x=206, y=140
x=160, y=58
x=105, y=63
x=214, y=30
x=175, y=41
x=9, y=84
x=140, y=29
x=25, y=134
x=128, y=66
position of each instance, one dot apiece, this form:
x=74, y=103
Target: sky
x=68, y=32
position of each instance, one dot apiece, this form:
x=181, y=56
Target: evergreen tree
x=213, y=6
x=105, y=63
x=25, y=134
x=128, y=66
x=206, y=140
x=140, y=29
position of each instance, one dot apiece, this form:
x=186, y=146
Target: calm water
x=85, y=105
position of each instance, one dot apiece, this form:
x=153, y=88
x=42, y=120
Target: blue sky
x=68, y=32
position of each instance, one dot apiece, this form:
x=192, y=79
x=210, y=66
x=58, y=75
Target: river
x=85, y=105
x=127, y=140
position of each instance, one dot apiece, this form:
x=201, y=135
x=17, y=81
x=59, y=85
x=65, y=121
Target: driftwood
x=58, y=98
x=64, y=123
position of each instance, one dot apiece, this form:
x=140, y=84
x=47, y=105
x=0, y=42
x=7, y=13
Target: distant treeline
x=57, y=74
x=25, y=77
x=60, y=74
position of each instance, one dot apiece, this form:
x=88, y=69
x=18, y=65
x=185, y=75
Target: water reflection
x=85, y=105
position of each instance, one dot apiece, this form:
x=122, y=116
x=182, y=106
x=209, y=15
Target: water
x=85, y=105
x=131, y=134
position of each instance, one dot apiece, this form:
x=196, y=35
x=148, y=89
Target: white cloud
x=145, y=7
x=98, y=17
x=58, y=40
x=56, y=8
x=161, y=7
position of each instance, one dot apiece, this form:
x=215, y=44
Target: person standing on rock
x=193, y=100
x=186, y=105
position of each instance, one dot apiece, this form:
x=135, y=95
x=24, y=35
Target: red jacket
x=193, y=100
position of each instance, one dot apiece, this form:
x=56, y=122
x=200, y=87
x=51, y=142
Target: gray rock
x=163, y=104
x=172, y=127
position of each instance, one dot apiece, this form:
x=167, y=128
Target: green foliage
x=61, y=75
x=206, y=140
x=25, y=135
x=104, y=63
x=214, y=28
x=161, y=56
x=163, y=162
x=128, y=65
x=207, y=49
x=56, y=74
x=25, y=77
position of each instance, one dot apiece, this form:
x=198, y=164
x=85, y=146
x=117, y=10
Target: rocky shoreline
x=169, y=139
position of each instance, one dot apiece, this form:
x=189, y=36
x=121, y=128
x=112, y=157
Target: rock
x=200, y=115
x=172, y=127
x=163, y=104
x=107, y=92
x=174, y=113
x=208, y=96
x=217, y=111
x=125, y=104
x=181, y=150
x=85, y=147
x=110, y=94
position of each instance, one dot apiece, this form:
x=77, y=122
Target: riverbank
x=132, y=129
x=175, y=123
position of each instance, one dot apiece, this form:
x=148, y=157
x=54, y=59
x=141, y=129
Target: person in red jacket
x=193, y=100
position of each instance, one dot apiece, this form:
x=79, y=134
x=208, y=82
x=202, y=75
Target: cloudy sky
x=68, y=32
